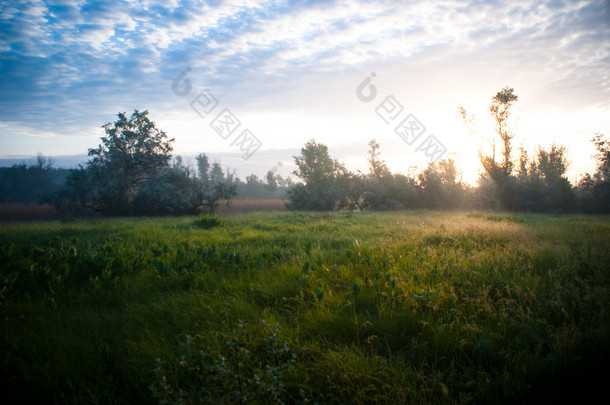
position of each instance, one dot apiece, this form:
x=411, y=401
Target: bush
x=207, y=221
x=173, y=192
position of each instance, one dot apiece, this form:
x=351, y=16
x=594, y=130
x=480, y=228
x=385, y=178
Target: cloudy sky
x=289, y=71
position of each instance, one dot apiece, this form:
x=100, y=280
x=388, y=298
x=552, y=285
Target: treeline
x=133, y=172
x=273, y=186
x=31, y=184
x=40, y=182
x=538, y=184
x=528, y=184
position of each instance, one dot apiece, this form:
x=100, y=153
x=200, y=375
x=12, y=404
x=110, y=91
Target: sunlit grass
x=267, y=307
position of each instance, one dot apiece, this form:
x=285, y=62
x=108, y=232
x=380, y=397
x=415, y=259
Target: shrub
x=207, y=221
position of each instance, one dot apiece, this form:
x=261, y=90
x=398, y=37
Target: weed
x=208, y=221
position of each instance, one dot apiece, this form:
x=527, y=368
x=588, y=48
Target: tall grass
x=28, y=212
x=291, y=307
x=253, y=204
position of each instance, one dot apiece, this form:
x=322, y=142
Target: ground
x=294, y=307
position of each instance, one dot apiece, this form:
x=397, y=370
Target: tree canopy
x=320, y=174
x=131, y=173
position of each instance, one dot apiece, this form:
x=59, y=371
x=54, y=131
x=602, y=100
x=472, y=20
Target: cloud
x=66, y=67
x=22, y=130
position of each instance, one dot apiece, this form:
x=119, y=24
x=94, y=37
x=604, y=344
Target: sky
x=249, y=82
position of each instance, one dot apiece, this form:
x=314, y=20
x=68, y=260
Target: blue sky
x=288, y=71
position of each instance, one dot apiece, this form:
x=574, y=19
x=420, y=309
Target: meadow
x=296, y=307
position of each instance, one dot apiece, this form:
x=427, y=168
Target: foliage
x=214, y=185
x=537, y=185
x=322, y=177
x=541, y=184
x=272, y=187
x=239, y=375
x=441, y=185
x=31, y=184
x=382, y=189
x=500, y=110
x=130, y=174
x=172, y=192
x=208, y=221
x=272, y=181
x=378, y=167
x=594, y=190
x=132, y=152
x=329, y=186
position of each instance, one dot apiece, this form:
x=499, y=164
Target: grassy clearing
x=282, y=307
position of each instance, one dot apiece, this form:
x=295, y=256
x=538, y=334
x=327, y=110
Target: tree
x=484, y=197
x=320, y=173
x=348, y=190
x=354, y=191
x=214, y=185
x=203, y=167
x=176, y=191
x=602, y=174
x=383, y=189
x=552, y=163
x=272, y=181
x=35, y=183
x=540, y=184
x=594, y=190
x=253, y=187
x=132, y=152
x=499, y=171
x=603, y=157
x=80, y=193
x=378, y=167
x=585, y=191
x=173, y=192
x=500, y=109
x=523, y=168
x=441, y=185
x=130, y=173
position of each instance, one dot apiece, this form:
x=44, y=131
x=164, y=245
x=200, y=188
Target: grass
x=282, y=307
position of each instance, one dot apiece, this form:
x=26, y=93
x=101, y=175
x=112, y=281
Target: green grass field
x=283, y=307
